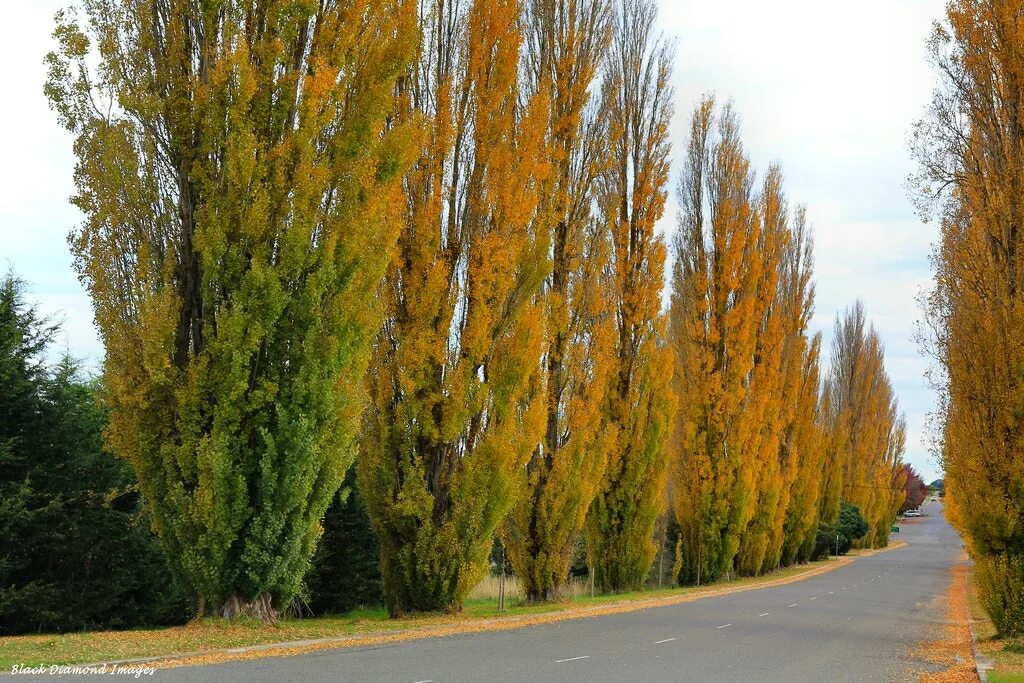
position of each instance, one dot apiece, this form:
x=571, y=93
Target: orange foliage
x=455, y=411
x=971, y=153
x=566, y=43
x=720, y=305
x=636, y=98
x=867, y=430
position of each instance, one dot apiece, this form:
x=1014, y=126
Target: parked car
x=912, y=513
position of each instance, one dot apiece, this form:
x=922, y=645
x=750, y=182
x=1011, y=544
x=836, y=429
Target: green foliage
x=851, y=526
x=345, y=573
x=1000, y=580
x=75, y=550
x=237, y=174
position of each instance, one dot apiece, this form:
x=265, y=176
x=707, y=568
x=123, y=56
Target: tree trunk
x=260, y=608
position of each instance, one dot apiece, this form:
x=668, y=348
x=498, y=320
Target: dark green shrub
x=345, y=571
x=850, y=527
x=76, y=552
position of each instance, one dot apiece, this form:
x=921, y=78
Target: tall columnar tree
x=237, y=173
x=769, y=400
x=637, y=99
x=971, y=152
x=714, y=326
x=797, y=446
x=806, y=437
x=746, y=373
x=830, y=494
x=868, y=431
x=565, y=45
x=456, y=412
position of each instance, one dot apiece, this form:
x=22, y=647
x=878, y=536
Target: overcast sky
x=827, y=89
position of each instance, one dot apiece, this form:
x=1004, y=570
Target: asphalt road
x=857, y=623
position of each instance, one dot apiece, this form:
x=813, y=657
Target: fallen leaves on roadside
x=953, y=648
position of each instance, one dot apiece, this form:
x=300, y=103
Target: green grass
x=214, y=634
x=998, y=677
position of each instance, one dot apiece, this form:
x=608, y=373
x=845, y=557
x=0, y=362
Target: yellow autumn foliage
x=970, y=147
x=455, y=411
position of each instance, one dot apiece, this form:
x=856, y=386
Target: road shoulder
x=952, y=650
x=1000, y=660
x=456, y=626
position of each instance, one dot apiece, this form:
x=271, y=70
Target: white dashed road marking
x=724, y=626
x=764, y=615
x=794, y=604
x=572, y=659
x=667, y=640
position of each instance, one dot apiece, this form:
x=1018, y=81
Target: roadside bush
x=850, y=526
x=1000, y=580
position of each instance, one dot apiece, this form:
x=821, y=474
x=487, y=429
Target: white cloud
x=830, y=90
x=36, y=174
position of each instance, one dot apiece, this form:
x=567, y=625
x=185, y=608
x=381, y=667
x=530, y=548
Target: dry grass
x=490, y=587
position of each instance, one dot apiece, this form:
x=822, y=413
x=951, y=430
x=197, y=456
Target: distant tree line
x=420, y=238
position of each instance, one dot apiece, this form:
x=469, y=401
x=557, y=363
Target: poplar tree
x=795, y=402
x=869, y=430
x=768, y=403
x=831, y=489
x=565, y=45
x=636, y=97
x=237, y=173
x=806, y=438
x=456, y=411
x=714, y=327
x=970, y=147
x=746, y=373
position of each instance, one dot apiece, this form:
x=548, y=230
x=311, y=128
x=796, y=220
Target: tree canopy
x=238, y=173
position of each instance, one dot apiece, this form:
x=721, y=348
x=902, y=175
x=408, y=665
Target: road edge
x=982, y=663
x=491, y=624
x=954, y=646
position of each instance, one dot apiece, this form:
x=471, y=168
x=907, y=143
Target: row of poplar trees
x=970, y=147
x=424, y=233
x=762, y=454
